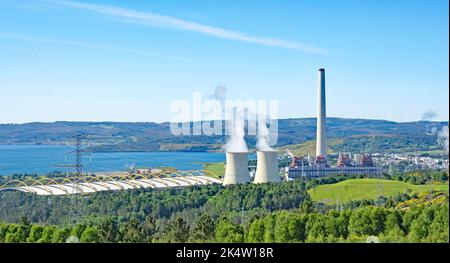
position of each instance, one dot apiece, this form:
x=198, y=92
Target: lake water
x=44, y=158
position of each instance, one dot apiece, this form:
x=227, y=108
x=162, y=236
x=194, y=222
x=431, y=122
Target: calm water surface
x=45, y=158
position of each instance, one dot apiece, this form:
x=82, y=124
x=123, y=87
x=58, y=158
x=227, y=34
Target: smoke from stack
x=443, y=138
x=262, y=143
x=429, y=115
x=220, y=94
x=237, y=143
x=236, y=168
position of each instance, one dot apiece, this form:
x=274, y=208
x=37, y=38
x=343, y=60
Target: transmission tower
x=76, y=201
x=75, y=204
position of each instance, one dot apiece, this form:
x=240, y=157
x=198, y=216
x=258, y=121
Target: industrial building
x=236, y=169
x=267, y=170
x=321, y=170
x=318, y=166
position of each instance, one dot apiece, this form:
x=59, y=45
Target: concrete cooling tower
x=267, y=167
x=236, y=169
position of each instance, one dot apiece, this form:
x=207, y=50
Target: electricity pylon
x=76, y=202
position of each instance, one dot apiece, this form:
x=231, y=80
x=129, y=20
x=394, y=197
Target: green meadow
x=359, y=189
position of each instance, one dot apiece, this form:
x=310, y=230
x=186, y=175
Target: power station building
x=237, y=170
x=318, y=166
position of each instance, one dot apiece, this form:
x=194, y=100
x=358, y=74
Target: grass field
x=216, y=168
x=309, y=147
x=358, y=189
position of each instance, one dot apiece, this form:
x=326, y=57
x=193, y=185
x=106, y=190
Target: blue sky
x=128, y=60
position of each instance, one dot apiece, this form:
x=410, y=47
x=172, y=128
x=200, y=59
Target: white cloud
x=95, y=46
x=176, y=23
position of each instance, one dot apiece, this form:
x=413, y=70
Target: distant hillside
x=344, y=134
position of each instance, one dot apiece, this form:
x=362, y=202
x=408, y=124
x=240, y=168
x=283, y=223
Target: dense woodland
x=280, y=212
x=428, y=223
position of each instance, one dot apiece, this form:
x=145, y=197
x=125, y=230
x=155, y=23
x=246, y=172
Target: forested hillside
x=424, y=223
x=358, y=135
x=282, y=212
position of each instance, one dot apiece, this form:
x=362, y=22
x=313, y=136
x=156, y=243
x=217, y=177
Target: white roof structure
x=86, y=187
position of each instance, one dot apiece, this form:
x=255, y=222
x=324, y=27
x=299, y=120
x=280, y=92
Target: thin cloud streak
x=94, y=46
x=157, y=20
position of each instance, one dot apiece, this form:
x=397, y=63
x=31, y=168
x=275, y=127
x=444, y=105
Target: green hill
x=355, y=135
x=358, y=189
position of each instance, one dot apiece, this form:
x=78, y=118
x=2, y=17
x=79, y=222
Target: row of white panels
x=91, y=187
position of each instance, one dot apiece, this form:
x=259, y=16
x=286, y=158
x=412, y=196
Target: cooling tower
x=236, y=169
x=321, y=144
x=267, y=167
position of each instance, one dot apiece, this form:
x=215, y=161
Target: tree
x=24, y=220
x=439, y=229
x=228, y=232
x=269, y=225
x=420, y=226
x=316, y=228
x=256, y=231
x=35, y=233
x=377, y=219
x=360, y=222
x=280, y=229
x=22, y=233
x=90, y=235
x=47, y=234
x=11, y=236
x=203, y=230
x=131, y=231
x=177, y=231
x=343, y=222
x=332, y=224
x=307, y=205
x=393, y=235
x=393, y=221
x=289, y=227
x=3, y=232
x=148, y=229
x=78, y=230
x=61, y=235
x=108, y=230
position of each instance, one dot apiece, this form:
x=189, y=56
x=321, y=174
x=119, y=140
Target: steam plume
x=220, y=94
x=289, y=153
x=429, y=115
x=443, y=138
x=263, y=137
x=237, y=143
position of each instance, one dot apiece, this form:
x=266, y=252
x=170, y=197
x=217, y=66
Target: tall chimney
x=321, y=144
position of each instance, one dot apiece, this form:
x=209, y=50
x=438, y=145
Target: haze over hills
x=359, y=135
